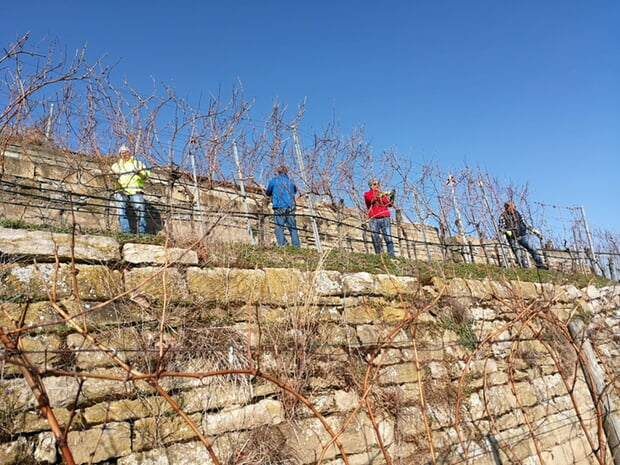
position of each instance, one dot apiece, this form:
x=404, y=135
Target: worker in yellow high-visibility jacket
x=132, y=175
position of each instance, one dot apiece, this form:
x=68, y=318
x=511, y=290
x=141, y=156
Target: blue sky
x=528, y=91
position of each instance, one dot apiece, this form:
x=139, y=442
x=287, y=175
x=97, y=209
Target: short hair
x=508, y=204
x=282, y=169
x=371, y=182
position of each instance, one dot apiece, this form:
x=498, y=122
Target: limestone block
x=218, y=394
x=45, y=244
x=554, y=430
x=392, y=286
x=480, y=315
x=500, y=400
x=452, y=349
x=358, y=284
x=360, y=315
x=15, y=395
x=402, y=452
x=445, y=438
x=100, y=443
x=329, y=301
x=546, y=290
x=129, y=343
x=97, y=390
x=342, y=335
x=525, y=290
x=368, y=334
x=308, y=437
x=567, y=294
x=441, y=414
x=439, y=285
x=593, y=292
x=519, y=451
x=496, y=378
x=480, y=289
x=575, y=451
x=34, y=314
x=125, y=409
x=510, y=420
x=373, y=455
x=97, y=314
x=162, y=430
x=429, y=348
x=265, y=412
x=45, y=448
x=62, y=390
x=189, y=453
x=392, y=314
x=399, y=374
x=409, y=423
x=267, y=314
x=474, y=408
x=501, y=289
x=56, y=172
x=97, y=282
x=549, y=386
x=94, y=282
x=328, y=312
x=326, y=283
x=458, y=287
x=225, y=285
x=226, y=448
x=157, y=254
x=158, y=284
x=15, y=451
x=15, y=165
x=389, y=357
x=323, y=403
x=360, y=436
x=262, y=388
x=438, y=370
x=42, y=351
x=286, y=287
x=32, y=421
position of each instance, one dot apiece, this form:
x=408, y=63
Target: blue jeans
x=139, y=207
x=527, y=242
x=285, y=217
x=381, y=228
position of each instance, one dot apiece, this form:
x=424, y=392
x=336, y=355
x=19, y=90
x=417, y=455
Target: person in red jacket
x=378, y=203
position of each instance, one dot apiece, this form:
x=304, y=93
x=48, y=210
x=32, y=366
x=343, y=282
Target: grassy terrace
x=248, y=256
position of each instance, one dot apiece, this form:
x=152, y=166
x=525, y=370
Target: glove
x=392, y=195
x=508, y=233
x=537, y=233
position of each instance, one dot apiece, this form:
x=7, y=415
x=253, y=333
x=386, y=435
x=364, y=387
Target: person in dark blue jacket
x=282, y=192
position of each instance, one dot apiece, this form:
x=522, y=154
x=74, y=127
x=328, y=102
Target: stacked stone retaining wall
x=289, y=366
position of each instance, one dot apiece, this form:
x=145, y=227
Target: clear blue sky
x=528, y=91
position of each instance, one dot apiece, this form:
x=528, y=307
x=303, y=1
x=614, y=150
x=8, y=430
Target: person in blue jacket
x=282, y=192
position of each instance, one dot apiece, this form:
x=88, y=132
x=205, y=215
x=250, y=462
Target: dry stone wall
x=289, y=366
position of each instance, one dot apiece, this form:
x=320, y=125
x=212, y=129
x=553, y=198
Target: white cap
x=123, y=148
